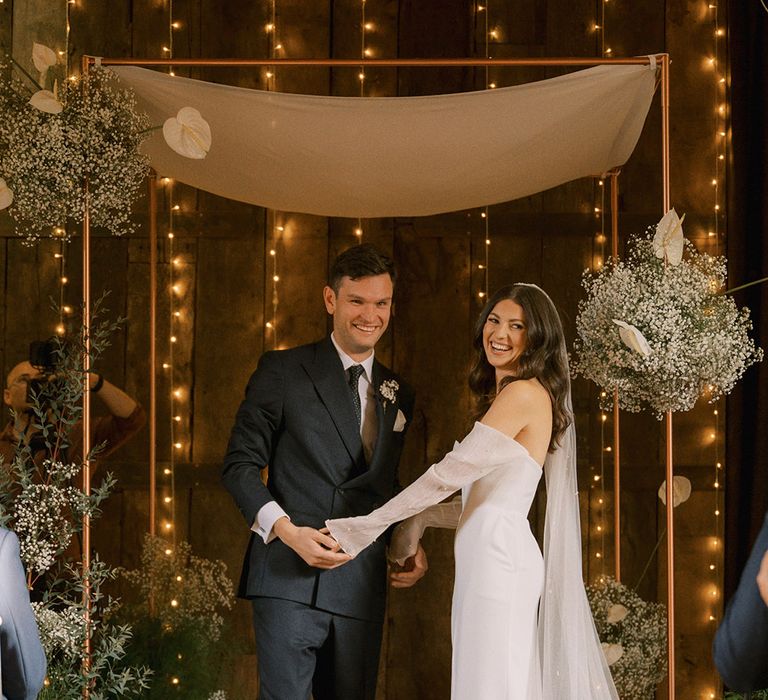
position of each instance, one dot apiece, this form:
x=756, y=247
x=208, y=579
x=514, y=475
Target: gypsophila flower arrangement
x=50, y=513
x=53, y=142
x=180, y=632
x=388, y=390
x=75, y=148
x=659, y=328
x=61, y=631
x=633, y=633
x=182, y=586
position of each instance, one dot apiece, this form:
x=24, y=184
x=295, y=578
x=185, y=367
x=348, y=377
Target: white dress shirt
x=271, y=512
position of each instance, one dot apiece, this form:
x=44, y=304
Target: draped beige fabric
x=400, y=156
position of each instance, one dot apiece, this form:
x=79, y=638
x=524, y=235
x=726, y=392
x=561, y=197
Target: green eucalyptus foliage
x=44, y=504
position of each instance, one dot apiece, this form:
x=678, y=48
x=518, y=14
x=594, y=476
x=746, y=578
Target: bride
x=521, y=626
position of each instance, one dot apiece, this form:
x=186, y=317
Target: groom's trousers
x=303, y=650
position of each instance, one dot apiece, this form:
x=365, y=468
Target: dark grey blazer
x=22, y=659
x=298, y=418
x=741, y=644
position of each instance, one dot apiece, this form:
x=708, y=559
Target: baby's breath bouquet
x=659, y=327
x=182, y=587
x=54, y=142
x=633, y=635
x=177, y=620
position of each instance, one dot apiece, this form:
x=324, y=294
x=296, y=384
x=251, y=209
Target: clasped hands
x=318, y=549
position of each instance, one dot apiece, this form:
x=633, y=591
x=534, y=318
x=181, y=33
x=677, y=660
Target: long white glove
x=407, y=535
x=482, y=451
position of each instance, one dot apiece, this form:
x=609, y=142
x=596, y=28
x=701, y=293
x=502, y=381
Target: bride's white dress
x=499, y=578
x=498, y=629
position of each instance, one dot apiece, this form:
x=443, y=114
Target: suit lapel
x=386, y=411
x=327, y=374
x=386, y=414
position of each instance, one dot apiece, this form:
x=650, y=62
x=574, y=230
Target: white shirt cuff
x=267, y=516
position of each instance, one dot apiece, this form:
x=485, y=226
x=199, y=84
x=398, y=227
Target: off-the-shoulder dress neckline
x=511, y=439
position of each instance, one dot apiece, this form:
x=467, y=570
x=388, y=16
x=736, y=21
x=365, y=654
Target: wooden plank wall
x=225, y=271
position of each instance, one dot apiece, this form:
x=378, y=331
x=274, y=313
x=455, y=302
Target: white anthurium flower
x=668, y=241
x=6, y=196
x=188, y=133
x=43, y=57
x=613, y=652
x=616, y=613
x=633, y=338
x=46, y=101
x=681, y=490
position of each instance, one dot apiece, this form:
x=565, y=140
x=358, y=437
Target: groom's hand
x=414, y=569
x=315, y=548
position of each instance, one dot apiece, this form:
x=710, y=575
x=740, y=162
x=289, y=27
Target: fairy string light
x=598, y=481
x=176, y=315
x=274, y=225
x=716, y=236
x=178, y=320
x=174, y=289
x=277, y=230
x=597, y=484
x=363, y=48
x=60, y=231
x=714, y=566
x=482, y=12
x=169, y=497
x=720, y=117
x=365, y=52
x=63, y=309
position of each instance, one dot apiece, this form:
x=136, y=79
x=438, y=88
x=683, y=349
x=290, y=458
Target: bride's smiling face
x=504, y=336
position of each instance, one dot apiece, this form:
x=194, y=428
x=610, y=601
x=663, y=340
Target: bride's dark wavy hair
x=542, y=358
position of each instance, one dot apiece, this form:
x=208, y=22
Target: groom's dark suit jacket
x=298, y=419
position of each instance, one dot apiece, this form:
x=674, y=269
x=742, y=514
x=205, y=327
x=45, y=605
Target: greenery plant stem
x=21, y=68
x=650, y=559
x=149, y=130
x=744, y=286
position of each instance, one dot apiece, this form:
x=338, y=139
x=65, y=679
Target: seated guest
x=22, y=661
x=741, y=642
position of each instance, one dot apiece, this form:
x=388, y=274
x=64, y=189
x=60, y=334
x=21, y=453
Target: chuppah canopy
x=400, y=156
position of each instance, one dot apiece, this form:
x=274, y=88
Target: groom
x=328, y=420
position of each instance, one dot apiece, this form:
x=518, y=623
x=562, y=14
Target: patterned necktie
x=354, y=377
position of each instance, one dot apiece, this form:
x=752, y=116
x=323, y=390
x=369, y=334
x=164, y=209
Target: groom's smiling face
x=361, y=310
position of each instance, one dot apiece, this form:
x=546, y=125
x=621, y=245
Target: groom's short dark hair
x=362, y=260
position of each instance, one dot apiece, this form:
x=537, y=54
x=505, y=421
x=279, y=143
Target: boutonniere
x=388, y=390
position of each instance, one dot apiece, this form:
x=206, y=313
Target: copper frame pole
x=86, y=553
x=616, y=433
x=668, y=417
x=152, y=353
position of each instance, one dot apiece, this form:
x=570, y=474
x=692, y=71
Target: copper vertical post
x=152, y=353
x=616, y=435
x=668, y=418
x=86, y=553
